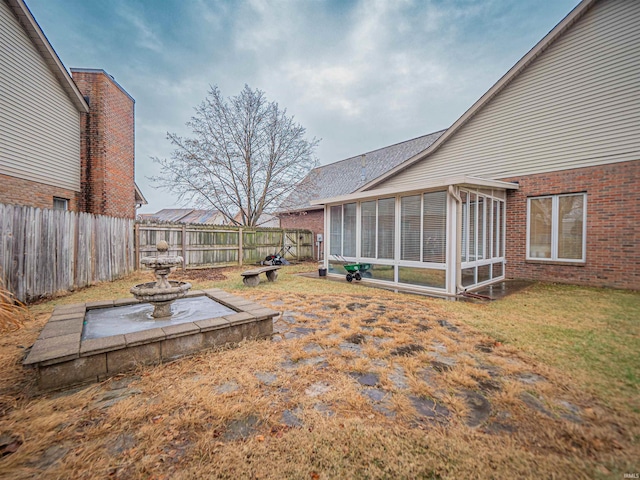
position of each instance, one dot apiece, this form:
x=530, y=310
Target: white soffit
x=457, y=180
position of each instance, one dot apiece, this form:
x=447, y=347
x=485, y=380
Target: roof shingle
x=346, y=176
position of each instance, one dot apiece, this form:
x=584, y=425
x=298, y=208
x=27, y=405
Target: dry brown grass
x=177, y=418
x=13, y=313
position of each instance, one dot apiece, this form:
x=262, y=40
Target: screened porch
x=442, y=240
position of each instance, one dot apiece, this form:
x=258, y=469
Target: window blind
x=335, y=247
x=349, y=236
x=368, y=229
x=410, y=228
x=386, y=227
x=435, y=227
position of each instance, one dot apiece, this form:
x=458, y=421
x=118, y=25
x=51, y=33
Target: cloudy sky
x=358, y=74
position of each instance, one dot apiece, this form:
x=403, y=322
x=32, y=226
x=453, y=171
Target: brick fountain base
x=62, y=358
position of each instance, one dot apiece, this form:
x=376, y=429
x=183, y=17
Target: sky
x=359, y=75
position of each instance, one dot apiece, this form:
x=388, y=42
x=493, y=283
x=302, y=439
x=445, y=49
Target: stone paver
x=228, y=387
x=313, y=348
x=291, y=418
x=242, y=428
x=429, y=410
x=356, y=338
x=267, y=378
x=324, y=409
x=478, y=407
x=530, y=378
x=380, y=401
x=535, y=404
x=447, y=325
x=398, y=378
x=317, y=389
x=407, y=350
x=367, y=379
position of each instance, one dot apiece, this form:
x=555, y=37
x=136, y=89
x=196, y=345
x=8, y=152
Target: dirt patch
x=202, y=275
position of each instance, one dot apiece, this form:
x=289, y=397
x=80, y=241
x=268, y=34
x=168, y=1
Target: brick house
x=65, y=142
x=539, y=179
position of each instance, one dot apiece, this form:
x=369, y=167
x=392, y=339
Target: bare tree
x=245, y=156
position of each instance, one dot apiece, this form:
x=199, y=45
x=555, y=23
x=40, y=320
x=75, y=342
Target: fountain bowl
x=149, y=292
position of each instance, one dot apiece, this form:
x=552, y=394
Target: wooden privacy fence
x=216, y=245
x=46, y=251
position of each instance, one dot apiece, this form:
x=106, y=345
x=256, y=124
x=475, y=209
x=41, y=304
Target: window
x=368, y=229
x=349, y=239
x=556, y=227
x=386, y=227
x=336, y=230
x=410, y=228
x=60, y=203
x=435, y=227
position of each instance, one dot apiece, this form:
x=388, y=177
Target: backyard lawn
x=357, y=382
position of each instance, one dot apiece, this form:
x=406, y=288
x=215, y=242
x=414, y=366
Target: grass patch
x=558, y=365
x=592, y=334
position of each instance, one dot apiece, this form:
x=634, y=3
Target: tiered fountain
x=87, y=342
x=161, y=293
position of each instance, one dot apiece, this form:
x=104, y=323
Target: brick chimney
x=107, y=145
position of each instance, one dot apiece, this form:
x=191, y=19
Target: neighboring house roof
x=265, y=220
x=506, y=79
x=347, y=176
x=49, y=55
x=186, y=215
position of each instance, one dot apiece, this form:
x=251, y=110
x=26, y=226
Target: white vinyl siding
x=39, y=124
x=576, y=105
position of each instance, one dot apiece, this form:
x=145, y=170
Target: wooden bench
x=251, y=278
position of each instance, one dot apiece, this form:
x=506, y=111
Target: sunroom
x=441, y=237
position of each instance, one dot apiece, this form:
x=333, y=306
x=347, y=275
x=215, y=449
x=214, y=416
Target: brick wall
x=17, y=191
x=613, y=226
x=107, y=146
x=308, y=220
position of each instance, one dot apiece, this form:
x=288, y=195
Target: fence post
x=136, y=245
x=240, y=247
x=184, y=247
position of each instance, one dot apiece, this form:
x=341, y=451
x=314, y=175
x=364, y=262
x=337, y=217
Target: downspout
x=453, y=192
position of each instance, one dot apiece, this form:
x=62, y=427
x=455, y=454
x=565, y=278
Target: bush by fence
x=47, y=251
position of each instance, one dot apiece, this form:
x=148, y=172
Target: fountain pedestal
x=163, y=292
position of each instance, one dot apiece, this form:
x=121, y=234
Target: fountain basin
x=62, y=357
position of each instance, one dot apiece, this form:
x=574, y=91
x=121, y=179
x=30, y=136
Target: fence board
x=215, y=245
x=44, y=251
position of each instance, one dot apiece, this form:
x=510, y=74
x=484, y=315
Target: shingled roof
x=185, y=215
x=348, y=175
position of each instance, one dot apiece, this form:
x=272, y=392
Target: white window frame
x=555, y=202
x=63, y=202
